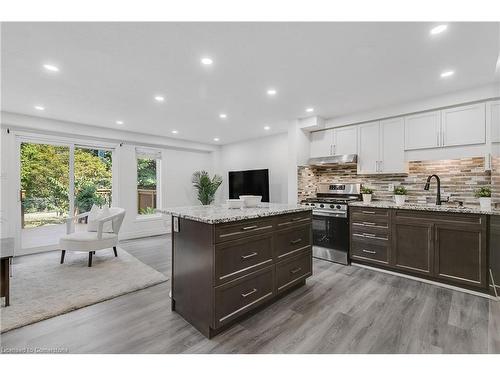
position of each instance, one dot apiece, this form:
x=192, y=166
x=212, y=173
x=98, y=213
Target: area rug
x=41, y=288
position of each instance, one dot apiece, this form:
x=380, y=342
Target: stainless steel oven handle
x=329, y=214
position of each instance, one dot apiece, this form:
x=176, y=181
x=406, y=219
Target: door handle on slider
x=245, y=295
x=248, y=256
x=295, y=270
x=250, y=227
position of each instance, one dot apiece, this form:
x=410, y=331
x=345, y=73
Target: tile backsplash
x=459, y=179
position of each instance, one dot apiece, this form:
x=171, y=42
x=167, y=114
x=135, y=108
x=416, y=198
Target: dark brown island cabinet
x=451, y=248
x=222, y=273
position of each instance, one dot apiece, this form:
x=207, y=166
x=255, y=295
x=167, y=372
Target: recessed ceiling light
x=51, y=68
x=223, y=115
x=207, y=61
x=216, y=139
x=271, y=92
x=40, y=108
x=119, y=122
x=438, y=29
x=175, y=131
x=448, y=73
x=159, y=98
x=310, y=109
x=267, y=127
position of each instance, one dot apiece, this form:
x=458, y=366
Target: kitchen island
x=447, y=244
x=226, y=263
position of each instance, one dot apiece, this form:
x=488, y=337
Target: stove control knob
x=332, y=206
x=321, y=205
x=338, y=207
x=312, y=204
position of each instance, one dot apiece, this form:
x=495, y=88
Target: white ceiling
x=112, y=71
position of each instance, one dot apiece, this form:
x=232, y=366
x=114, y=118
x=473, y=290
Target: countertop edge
x=417, y=207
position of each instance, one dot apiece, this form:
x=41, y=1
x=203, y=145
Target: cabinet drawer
x=370, y=230
x=365, y=250
x=379, y=238
x=240, y=296
x=237, y=258
x=292, y=240
x=240, y=229
x=370, y=215
x=292, y=271
x=288, y=220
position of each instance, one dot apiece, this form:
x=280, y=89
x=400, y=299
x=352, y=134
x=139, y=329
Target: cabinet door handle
x=369, y=251
x=250, y=227
x=295, y=270
x=380, y=166
x=245, y=295
x=248, y=256
x=294, y=242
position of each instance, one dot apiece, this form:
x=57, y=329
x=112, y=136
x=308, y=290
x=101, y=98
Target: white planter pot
x=399, y=199
x=367, y=198
x=485, y=204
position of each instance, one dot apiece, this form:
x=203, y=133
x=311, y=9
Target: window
x=148, y=180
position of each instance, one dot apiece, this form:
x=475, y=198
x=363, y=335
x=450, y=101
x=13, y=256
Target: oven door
x=330, y=236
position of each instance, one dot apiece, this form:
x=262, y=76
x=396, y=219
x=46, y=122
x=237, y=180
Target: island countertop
x=217, y=214
x=426, y=207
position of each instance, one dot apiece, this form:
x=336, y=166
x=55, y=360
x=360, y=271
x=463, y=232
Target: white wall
x=179, y=160
x=269, y=152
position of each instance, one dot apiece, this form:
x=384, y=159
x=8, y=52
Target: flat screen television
x=253, y=182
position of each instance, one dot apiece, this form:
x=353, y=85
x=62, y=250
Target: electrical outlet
x=390, y=187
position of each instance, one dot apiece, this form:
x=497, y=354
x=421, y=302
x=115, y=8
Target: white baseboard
x=426, y=281
x=143, y=233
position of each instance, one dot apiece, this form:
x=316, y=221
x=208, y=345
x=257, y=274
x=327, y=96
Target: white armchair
x=92, y=241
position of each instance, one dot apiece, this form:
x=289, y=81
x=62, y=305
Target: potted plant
x=206, y=186
x=367, y=194
x=484, y=195
x=400, y=195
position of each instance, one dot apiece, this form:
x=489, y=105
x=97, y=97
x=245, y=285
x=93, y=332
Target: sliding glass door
x=58, y=181
x=44, y=193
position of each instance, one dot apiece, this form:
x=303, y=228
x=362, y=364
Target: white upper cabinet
x=422, y=130
x=321, y=143
x=338, y=141
x=464, y=125
x=493, y=119
x=392, y=146
x=345, y=140
x=369, y=148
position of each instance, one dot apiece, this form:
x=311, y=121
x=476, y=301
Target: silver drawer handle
x=297, y=218
x=245, y=295
x=369, y=212
x=368, y=235
x=294, y=271
x=248, y=256
x=250, y=227
x=369, y=224
x=369, y=251
x=294, y=242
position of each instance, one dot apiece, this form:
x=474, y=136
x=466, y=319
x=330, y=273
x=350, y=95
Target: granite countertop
x=222, y=214
x=426, y=207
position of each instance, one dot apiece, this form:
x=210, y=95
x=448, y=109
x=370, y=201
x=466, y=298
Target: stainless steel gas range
x=331, y=220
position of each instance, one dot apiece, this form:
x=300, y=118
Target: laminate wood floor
x=340, y=310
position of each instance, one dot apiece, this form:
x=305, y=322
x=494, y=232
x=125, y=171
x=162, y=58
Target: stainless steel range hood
x=333, y=160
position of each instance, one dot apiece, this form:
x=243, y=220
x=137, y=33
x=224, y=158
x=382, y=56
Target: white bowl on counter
x=234, y=203
x=251, y=200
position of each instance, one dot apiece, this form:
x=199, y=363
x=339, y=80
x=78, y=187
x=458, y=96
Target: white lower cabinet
x=381, y=147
